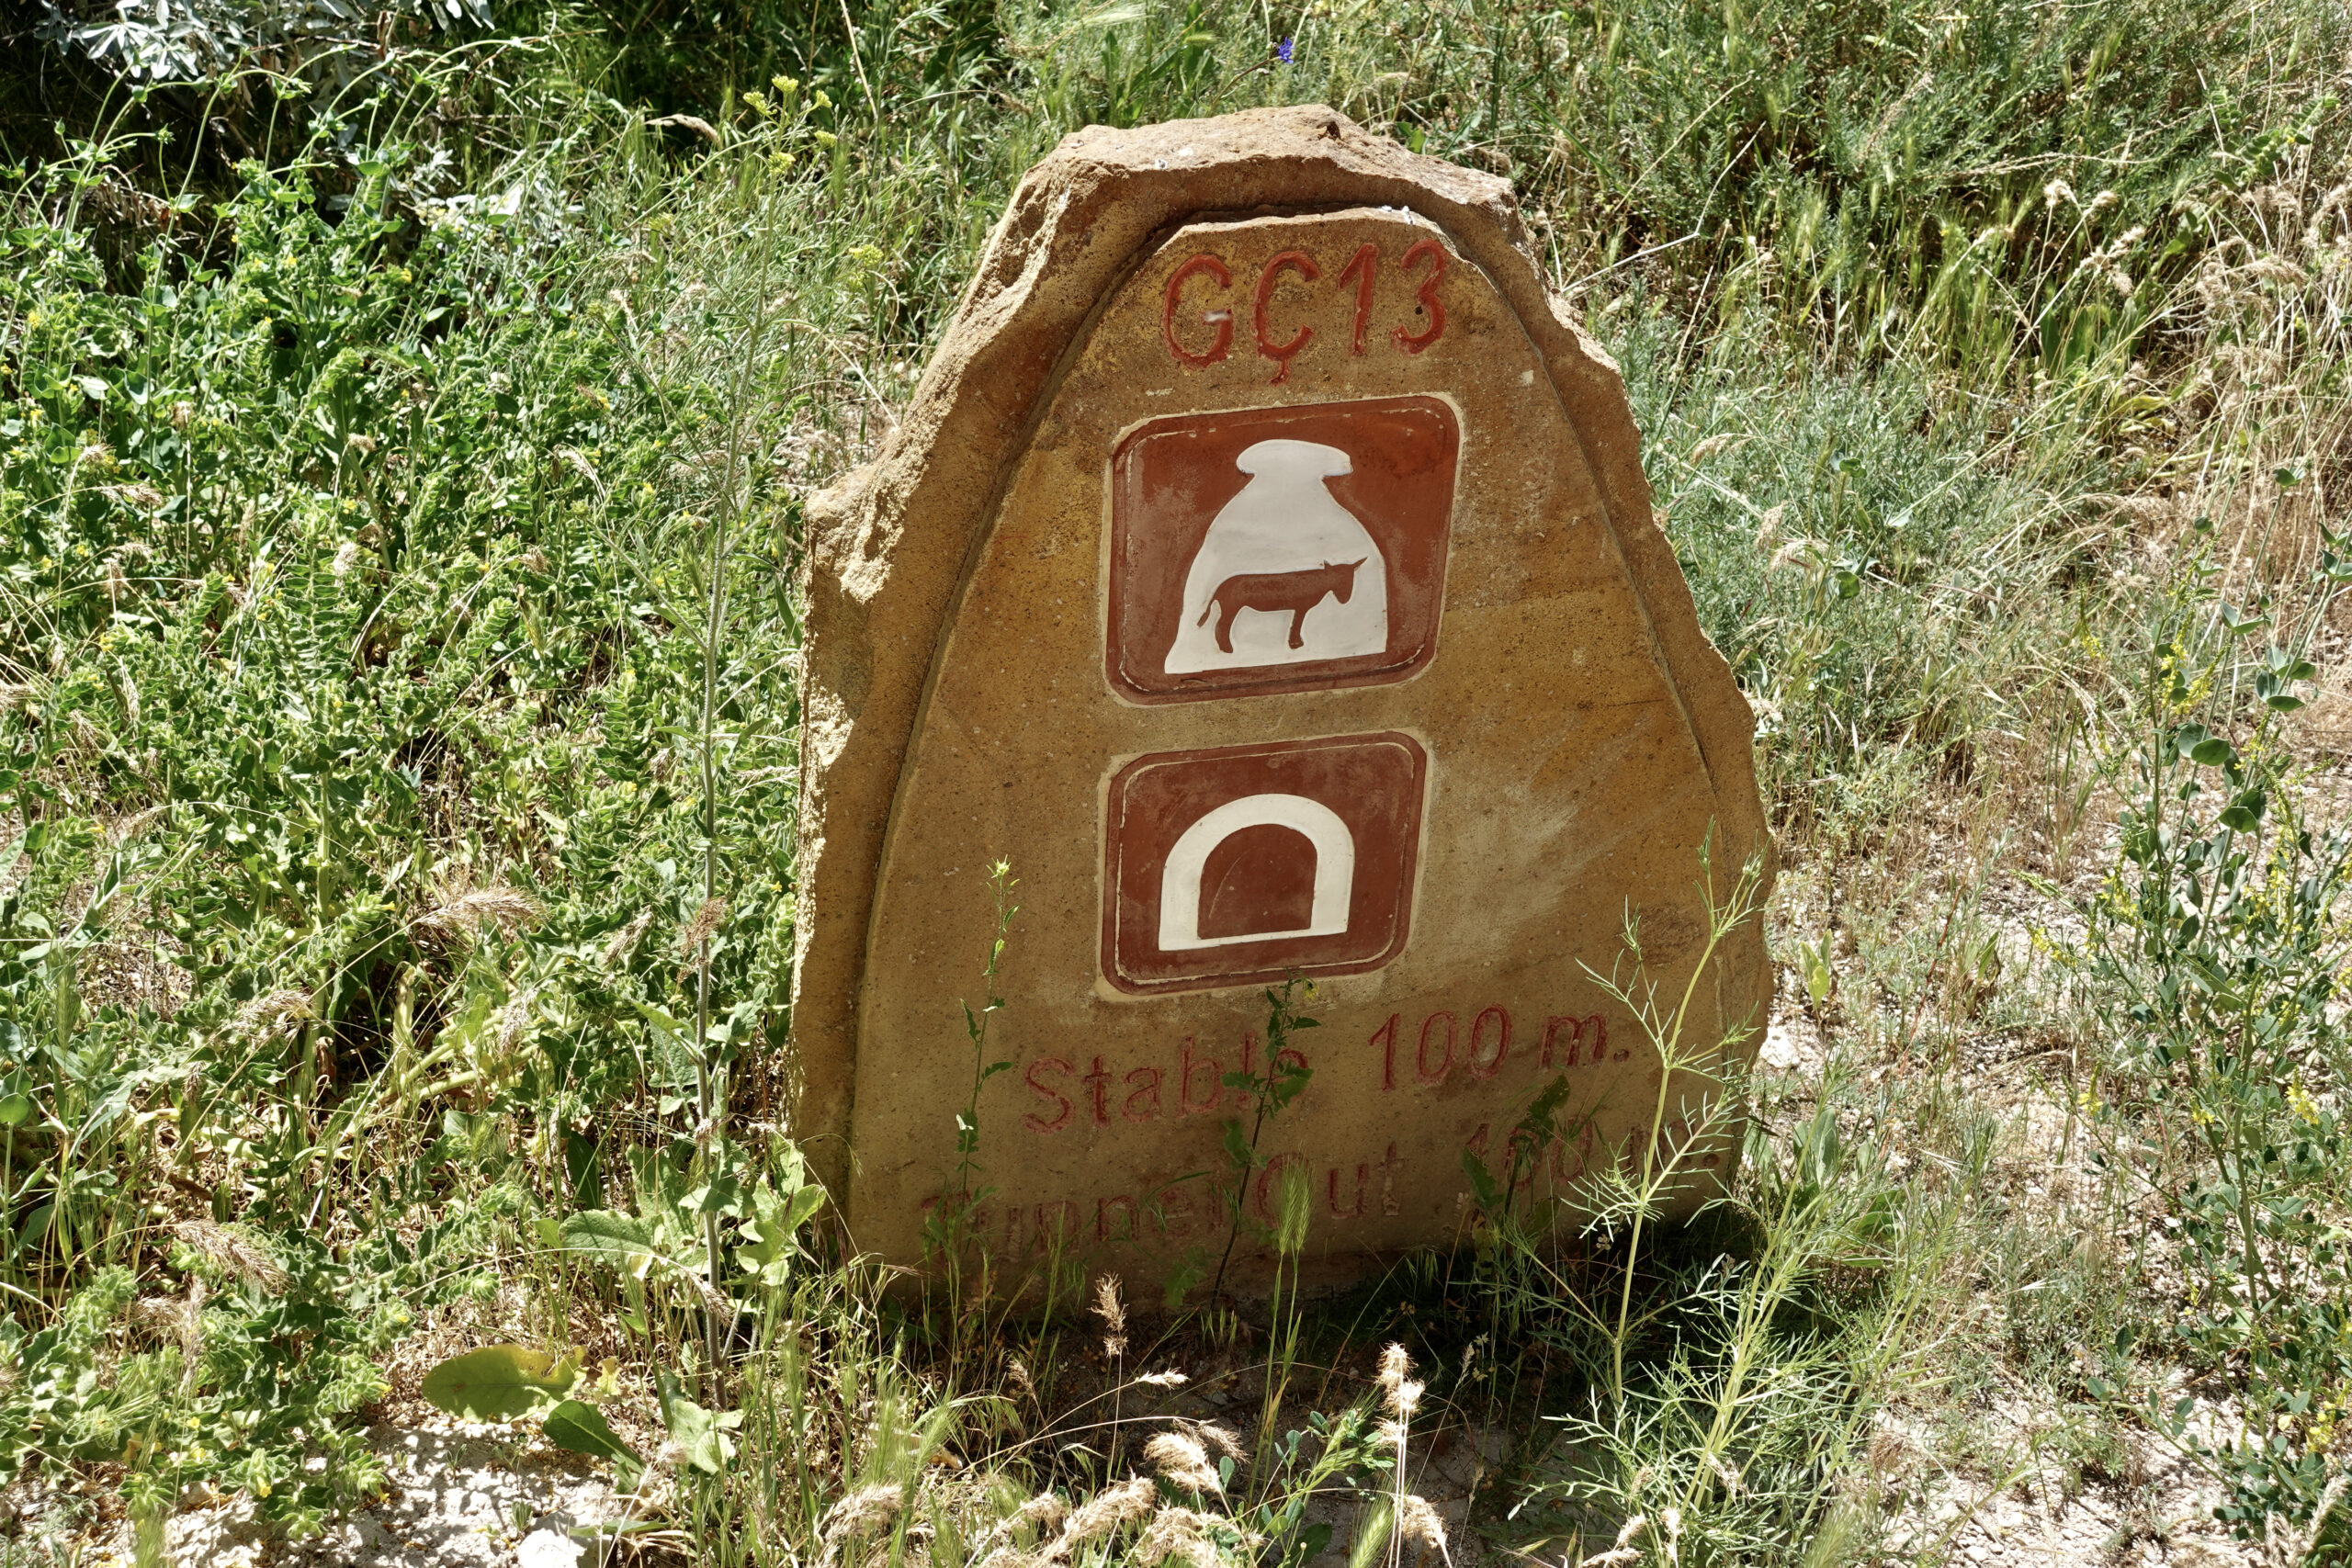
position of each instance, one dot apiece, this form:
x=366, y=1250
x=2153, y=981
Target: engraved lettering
x=1363, y=1179
x=1185, y=1104
x=1060, y=1118
x=1281, y=354
x=1572, y=1032
x=1389, y=1168
x=1492, y=1065
x=1057, y=1225
x=1363, y=266
x=1422, y=1068
x=1223, y=341
x=1413, y=343
x=1175, y=1212
x=1096, y=1082
x=1269, y=1194
x=1146, y=1096
x=1386, y=1038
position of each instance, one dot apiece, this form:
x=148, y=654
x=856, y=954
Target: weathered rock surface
x=1265, y=569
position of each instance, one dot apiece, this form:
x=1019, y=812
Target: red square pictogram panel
x=1282, y=549
x=1241, y=864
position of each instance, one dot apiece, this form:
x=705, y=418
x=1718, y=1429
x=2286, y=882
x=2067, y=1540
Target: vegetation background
x=406, y=410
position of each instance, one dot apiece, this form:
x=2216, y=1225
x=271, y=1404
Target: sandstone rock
x=1265, y=569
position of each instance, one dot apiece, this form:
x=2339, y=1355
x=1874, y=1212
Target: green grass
x=401, y=463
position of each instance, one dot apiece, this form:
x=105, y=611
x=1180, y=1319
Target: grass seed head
x=1114, y=1314
x=1176, y=1535
x=1104, y=1514
x=247, y=1259
x=1222, y=1438
x=1419, y=1521
x=861, y=1512
x=1181, y=1462
x=706, y=920
x=624, y=940
x=465, y=915
x=275, y=1016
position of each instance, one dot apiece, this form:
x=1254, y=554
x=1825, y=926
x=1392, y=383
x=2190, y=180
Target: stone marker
x=1265, y=569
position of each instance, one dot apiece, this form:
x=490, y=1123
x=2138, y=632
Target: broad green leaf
x=2238, y=625
x=498, y=1383
x=2213, y=752
x=583, y=1429
x=698, y=1431
x=622, y=1240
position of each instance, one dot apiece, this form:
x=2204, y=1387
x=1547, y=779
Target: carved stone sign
x=1264, y=567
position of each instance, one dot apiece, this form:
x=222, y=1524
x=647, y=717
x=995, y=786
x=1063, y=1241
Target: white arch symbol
x=1335, y=868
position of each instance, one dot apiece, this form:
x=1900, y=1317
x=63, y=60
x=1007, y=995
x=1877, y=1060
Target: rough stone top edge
x=1306, y=132
x=1160, y=159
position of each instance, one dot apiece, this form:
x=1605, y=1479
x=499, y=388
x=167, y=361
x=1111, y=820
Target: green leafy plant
x=1267, y=1092
x=2218, y=942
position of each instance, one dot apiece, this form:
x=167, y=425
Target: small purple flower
x=1282, y=52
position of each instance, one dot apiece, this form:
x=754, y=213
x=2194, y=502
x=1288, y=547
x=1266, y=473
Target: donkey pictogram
x=1297, y=591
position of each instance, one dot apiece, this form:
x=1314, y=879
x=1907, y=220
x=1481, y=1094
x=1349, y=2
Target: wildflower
x=1283, y=50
